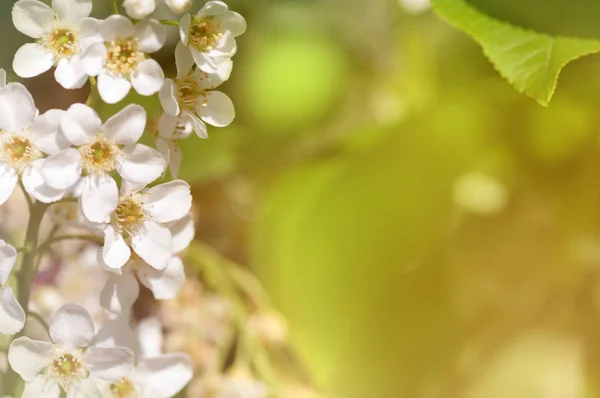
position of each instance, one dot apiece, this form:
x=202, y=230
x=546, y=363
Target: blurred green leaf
x=529, y=60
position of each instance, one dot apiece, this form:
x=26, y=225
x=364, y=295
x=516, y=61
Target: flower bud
x=179, y=6
x=139, y=9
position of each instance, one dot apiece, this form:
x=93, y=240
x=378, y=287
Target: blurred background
x=427, y=231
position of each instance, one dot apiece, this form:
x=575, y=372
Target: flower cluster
x=89, y=173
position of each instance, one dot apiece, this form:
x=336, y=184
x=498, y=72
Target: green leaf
x=529, y=60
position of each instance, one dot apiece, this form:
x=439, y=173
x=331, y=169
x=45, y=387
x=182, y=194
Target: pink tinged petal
x=12, y=316
x=36, y=186
x=119, y=293
x=93, y=58
x=81, y=124
x=127, y=126
x=168, y=202
x=117, y=27
x=17, y=109
x=47, y=132
x=70, y=73
x=115, y=252
x=165, y=376
x=150, y=337
x=212, y=8
x=183, y=59
x=108, y=363
x=149, y=77
x=32, y=17
x=197, y=125
x=63, y=169
x=8, y=182
x=168, y=98
x=184, y=28
x=153, y=244
x=183, y=232
x=233, y=22
x=164, y=284
x=28, y=357
x=112, y=89
x=32, y=60
x=217, y=109
x=72, y=327
x=41, y=386
x=140, y=164
x=8, y=258
x=72, y=10
x=99, y=198
x=152, y=35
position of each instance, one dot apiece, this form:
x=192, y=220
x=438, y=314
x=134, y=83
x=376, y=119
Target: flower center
x=189, y=94
x=204, y=33
x=67, y=368
x=123, y=57
x=18, y=151
x=61, y=41
x=123, y=388
x=130, y=214
x=99, y=156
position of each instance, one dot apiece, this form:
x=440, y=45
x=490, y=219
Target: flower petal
x=109, y=363
x=184, y=28
x=183, y=232
x=36, y=186
x=149, y=77
x=72, y=327
x=99, y=197
x=70, y=73
x=140, y=164
x=63, y=169
x=112, y=89
x=183, y=59
x=12, y=316
x=31, y=60
x=72, y=10
x=168, y=202
x=197, y=125
x=217, y=110
x=211, y=80
x=212, y=8
x=152, y=35
x=153, y=244
x=117, y=27
x=47, y=132
x=164, y=284
x=8, y=182
x=205, y=62
x=168, y=98
x=150, y=337
x=116, y=333
x=41, y=386
x=233, y=22
x=115, y=251
x=17, y=109
x=119, y=293
x=165, y=376
x=81, y=124
x=28, y=357
x=32, y=17
x=93, y=57
x=8, y=258
x=127, y=126
x=226, y=47
x=86, y=388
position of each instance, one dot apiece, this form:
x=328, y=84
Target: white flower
x=23, y=137
x=121, y=60
x=179, y=6
x=139, y=9
x=61, y=35
x=121, y=289
x=12, y=316
x=190, y=97
x=210, y=34
x=68, y=363
x=140, y=219
x=100, y=150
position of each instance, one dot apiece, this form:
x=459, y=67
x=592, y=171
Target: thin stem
x=169, y=22
x=40, y=320
x=27, y=197
x=115, y=7
x=93, y=93
x=51, y=241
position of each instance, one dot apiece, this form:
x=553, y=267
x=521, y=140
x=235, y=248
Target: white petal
x=112, y=89
x=17, y=109
x=117, y=27
x=93, y=58
x=165, y=376
x=47, y=132
x=63, y=169
x=233, y=22
x=70, y=73
x=12, y=316
x=150, y=337
x=72, y=10
x=31, y=60
x=129, y=188
x=119, y=292
x=140, y=164
x=184, y=28
x=226, y=47
x=168, y=98
x=28, y=357
x=81, y=124
x=99, y=197
x=164, y=284
x=72, y=327
x=174, y=160
x=205, y=62
x=167, y=125
x=168, y=202
x=149, y=77
x=197, y=125
x=8, y=258
x=115, y=251
x=8, y=182
x=109, y=363
x=152, y=35
x=209, y=81
x=212, y=8
x=217, y=110
x=86, y=388
x=41, y=386
x=117, y=333
x=127, y=126
x=32, y=17
x=183, y=232
x=139, y=9
x=36, y=186
x=153, y=244
x=183, y=59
